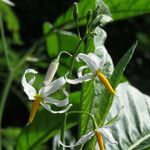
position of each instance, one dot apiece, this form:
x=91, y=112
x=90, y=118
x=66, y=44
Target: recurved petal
x=9, y=2
x=48, y=107
x=106, y=132
x=82, y=140
x=53, y=66
x=80, y=70
x=58, y=103
x=28, y=88
x=52, y=87
x=85, y=77
x=88, y=60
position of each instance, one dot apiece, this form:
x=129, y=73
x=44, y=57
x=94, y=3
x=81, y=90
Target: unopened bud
x=89, y=17
x=53, y=66
x=75, y=12
x=96, y=12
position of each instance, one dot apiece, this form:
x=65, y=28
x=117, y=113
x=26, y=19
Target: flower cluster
x=96, y=64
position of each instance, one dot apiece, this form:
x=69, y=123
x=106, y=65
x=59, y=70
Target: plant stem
x=63, y=130
x=3, y=101
x=77, y=50
x=4, y=43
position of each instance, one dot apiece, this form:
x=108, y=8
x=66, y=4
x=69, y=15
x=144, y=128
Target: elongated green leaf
x=133, y=132
x=87, y=96
x=107, y=98
x=122, y=9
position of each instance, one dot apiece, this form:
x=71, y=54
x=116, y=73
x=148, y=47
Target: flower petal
x=9, y=2
x=51, y=71
x=107, y=134
x=85, y=77
x=28, y=88
x=48, y=107
x=80, y=70
x=52, y=87
x=58, y=103
x=82, y=140
x=97, y=60
x=88, y=60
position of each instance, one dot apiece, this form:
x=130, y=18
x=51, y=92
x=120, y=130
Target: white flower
x=96, y=65
x=42, y=96
x=9, y=2
x=98, y=132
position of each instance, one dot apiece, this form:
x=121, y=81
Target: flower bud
x=53, y=66
x=75, y=12
x=89, y=17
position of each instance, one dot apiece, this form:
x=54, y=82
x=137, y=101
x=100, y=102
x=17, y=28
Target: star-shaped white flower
x=99, y=132
x=96, y=65
x=9, y=2
x=43, y=95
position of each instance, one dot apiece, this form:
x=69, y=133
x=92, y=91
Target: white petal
x=80, y=70
x=32, y=81
x=28, y=88
x=85, y=77
x=52, y=87
x=51, y=72
x=48, y=107
x=105, y=19
x=82, y=140
x=107, y=134
x=96, y=59
x=89, y=61
x=58, y=103
x=9, y=2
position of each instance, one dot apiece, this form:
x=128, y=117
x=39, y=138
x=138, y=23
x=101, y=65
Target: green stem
x=3, y=101
x=77, y=50
x=63, y=130
x=65, y=120
x=4, y=42
x=87, y=113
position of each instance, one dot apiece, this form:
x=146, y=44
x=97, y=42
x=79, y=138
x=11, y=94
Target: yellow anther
x=35, y=106
x=105, y=82
x=99, y=140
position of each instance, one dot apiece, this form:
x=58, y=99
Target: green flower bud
x=75, y=12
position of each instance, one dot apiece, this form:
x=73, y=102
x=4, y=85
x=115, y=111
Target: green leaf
x=62, y=40
x=122, y=9
x=87, y=96
x=11, y=21
x=45, y=126
x=107, y=98
x=9, y=136
x=133, y=131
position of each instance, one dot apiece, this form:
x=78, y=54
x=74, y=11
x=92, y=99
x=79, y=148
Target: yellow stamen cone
x=100, y=140
x=105, y=81
x=33, y=111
